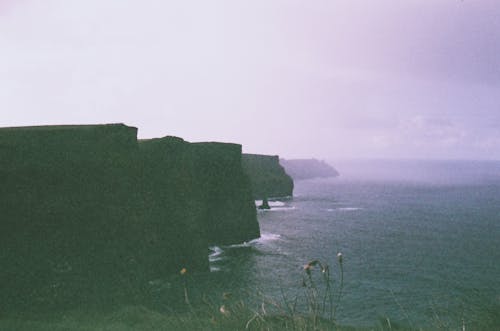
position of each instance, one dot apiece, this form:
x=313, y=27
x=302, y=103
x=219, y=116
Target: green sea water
x=420, y=241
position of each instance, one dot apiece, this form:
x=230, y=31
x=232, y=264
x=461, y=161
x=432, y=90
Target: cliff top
x=65, y=127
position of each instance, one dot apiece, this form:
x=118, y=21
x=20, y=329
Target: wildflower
x=339, y=257
x=307, y=268
x=223, y=310
x=183, y=271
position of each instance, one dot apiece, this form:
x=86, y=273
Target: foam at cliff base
x=275, y=206
x=216, y=254
x=266, y=237
x=271, y=203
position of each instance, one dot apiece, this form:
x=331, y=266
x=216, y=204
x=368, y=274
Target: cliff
x=232, y=216
x=89, y=209
x=267, y=176
x=308, y=168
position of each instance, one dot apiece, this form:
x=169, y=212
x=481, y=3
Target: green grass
x=232, y=315
x=140, y=318
x=321, y=296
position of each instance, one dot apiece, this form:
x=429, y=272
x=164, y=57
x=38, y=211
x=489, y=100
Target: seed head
x=307, y=268
x=224, y=311
x=339, y=257
x=183, y=271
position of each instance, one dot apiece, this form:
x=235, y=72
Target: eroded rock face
x=267, y=177
x=85, y=209
x=232, y=215
x=64, y=205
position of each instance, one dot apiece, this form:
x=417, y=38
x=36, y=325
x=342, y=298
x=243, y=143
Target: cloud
x=350, y=77
x=424, y=131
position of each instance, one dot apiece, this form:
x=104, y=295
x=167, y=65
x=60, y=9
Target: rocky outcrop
x=267, y=177
x=308, y=168
x=264, y=205
x=85, y=209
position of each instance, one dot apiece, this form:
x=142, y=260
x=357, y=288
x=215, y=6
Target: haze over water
x=327, y=79
x=324, y=78
x=420, y=248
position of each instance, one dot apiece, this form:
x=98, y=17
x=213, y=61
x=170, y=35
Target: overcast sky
x=312, y=78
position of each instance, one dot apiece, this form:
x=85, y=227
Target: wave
x=344, y=209
x=264, y=238
x=216, y=254
x=267, y=237
x=271, y=203
x=276, y=209
x=244, y=244
x=219, y=257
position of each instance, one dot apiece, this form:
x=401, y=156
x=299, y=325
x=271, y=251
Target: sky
x=330, y=79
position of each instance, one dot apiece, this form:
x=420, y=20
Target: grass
x=315, y=309
x=141, y=318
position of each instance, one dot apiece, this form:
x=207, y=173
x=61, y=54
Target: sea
x=419, y=240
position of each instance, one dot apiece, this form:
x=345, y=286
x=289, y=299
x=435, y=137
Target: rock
x=265, y=204
x=267, y=176
x=119, y=212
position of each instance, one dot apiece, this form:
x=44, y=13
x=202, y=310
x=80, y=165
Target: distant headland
x=308, y=168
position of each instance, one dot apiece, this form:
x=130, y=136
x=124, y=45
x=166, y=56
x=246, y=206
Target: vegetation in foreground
x=321, y=293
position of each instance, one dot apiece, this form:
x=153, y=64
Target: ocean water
x=420, y=244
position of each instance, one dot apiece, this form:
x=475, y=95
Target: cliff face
x=231, y=216
x=267, y=176
x=308, y=168
x=88, y=208
x=63, y=205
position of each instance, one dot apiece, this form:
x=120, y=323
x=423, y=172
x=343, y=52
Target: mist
x=419, y=171
x=327, y=79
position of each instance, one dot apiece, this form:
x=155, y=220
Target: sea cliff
x=88, y=208
x=267, y=177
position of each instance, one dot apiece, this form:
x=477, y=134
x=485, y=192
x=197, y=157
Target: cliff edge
x=267, y=177
x=88, y=210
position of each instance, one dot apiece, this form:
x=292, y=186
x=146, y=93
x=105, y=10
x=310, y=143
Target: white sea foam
x=271, y=203
x=215, y=259
x=265, y=238
x=269, y=237
x=273, y=209
x=214, y=269
x=216, y=254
